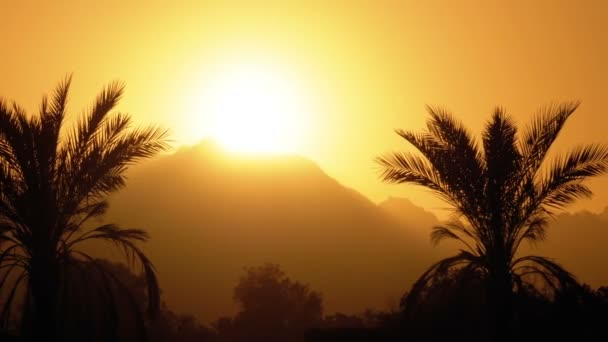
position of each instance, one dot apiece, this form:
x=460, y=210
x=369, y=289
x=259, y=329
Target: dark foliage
x=272, y=308
x=455, y=308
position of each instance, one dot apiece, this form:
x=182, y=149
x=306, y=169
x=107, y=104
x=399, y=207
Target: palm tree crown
x=503, y=190
x=53, y=181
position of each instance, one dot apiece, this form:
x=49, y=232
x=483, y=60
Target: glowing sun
x=254, y=109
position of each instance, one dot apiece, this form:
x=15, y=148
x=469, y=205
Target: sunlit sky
x=348, y=72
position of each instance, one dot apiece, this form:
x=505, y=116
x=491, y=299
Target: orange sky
x=366, y=67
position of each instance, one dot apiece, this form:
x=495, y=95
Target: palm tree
x=502, y=193
x=53, y=182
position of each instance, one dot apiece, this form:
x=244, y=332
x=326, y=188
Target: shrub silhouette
x=272, y=308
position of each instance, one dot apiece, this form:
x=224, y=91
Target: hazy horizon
x=284, y=171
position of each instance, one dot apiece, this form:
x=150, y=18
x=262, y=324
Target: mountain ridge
x=243, y=212
x=210, y=215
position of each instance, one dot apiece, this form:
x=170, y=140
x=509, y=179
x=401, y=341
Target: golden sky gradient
x=363, y=68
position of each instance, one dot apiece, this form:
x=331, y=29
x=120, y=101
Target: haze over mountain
x=210, y=215
x=578, y=241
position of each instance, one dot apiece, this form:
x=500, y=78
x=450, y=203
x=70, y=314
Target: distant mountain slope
x=579, y=242
x=210, y=215
x=409, y=214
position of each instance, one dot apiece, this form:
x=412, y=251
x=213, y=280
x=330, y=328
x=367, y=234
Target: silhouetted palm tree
x=53, y=181
x=502, y=194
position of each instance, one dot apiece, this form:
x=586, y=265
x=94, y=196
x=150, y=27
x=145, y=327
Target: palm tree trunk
x=44, y=280
x=500, y=304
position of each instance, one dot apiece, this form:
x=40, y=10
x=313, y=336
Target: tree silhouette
x=273, y=308
x=53, y=182
x=502, y=194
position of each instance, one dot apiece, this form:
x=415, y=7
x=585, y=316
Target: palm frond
x=502, y=170
x=124, y=239
x=59, y=102
x=79, y=140
x=551, y=272
x=95, y=290
x=501, y=154
x=90, y=211
x=51, y=119
x=539, y=136
x=7, y=307
x=10, y=266
x=17, y=135
x=451, y=156
x=105, y=165
x=450, y=231
x=445, y=128
x=440, y=233
x=409, y=168
x=459, y=160
x=562, y=183
x=111, y=284
x=111, y=232
x=105, y=102
x=533, y=231
x=463, y=259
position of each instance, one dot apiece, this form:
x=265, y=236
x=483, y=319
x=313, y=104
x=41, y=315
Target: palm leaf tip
x=552, y=273
x=440, y=233
x=153, y=309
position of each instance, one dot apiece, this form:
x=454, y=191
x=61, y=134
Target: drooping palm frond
x=13, y=272
x=125, y=239
x=92, y=290
x=456, y=230
x=9, y=305
x=533, y=231
x=91, y=276
x=463, y=260
x=531, y=269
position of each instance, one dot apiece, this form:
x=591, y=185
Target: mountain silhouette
x=578, y=241
x=210, y=214
x=409, y=214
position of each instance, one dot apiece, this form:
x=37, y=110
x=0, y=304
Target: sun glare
x=253, y=109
